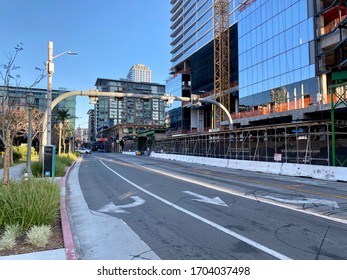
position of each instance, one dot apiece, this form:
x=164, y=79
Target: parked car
x=84, y=151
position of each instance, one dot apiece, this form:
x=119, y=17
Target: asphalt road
x=200, y=212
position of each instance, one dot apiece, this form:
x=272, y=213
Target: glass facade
x=192, y=26
x=41, y=103
x=275, y=40
x=174, y=110
x=275, y=43
x=174, y=88
x=272, y=51
x=176, y=114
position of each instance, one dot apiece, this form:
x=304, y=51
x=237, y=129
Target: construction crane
x=222, y=58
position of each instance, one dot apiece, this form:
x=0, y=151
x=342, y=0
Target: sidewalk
x=15, y=171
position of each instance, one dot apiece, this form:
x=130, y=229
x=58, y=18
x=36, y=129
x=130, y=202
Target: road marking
x=204, y=220
x=112, y=208
x=205, y=199
x=333, y=204
x=246, y=196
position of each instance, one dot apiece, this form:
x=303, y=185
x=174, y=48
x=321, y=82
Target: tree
x=10, y=120
x=63, y=116
x=7, y=107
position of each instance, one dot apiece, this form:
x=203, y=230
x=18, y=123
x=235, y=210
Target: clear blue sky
x=109, y=36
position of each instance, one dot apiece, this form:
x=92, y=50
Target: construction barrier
x=328, y=173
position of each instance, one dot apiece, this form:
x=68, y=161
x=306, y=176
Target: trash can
x=49, y=161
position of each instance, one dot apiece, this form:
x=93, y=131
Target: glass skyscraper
x=281, y=52
x=276, y=49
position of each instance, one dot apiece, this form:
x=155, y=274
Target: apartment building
x=140, y=73
x=91, y=126
x=128, y=110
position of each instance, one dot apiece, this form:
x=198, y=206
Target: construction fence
x=306, y=143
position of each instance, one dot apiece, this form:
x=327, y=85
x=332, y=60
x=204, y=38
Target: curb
x=69, y=245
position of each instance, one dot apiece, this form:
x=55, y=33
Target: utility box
x=49, y=161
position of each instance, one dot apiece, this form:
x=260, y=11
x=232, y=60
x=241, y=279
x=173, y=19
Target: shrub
x=60, y=168
x=66, y=159
x=36, y=202
x=62, y=161
x=13, y=230
x=39, y=235
x=20, y=153
x=17, y=154
x=36, y=168
x=8, y=239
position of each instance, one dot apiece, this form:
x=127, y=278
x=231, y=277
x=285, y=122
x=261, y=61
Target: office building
x=140, y=73
x=19, y=95
x=284, y=56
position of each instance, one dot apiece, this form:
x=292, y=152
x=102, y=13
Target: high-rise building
x=111, y=111
x=140, y=73
x=81, y=137
x=284, y=56
x=91, y=125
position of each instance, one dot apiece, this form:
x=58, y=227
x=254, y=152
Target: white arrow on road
x=201, y=198
x=333, y=204
x=112, y=208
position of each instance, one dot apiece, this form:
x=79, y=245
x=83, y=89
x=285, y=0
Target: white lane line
x=204, y=220
x=243, y=195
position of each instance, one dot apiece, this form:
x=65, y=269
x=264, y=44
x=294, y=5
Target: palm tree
x=63, y=115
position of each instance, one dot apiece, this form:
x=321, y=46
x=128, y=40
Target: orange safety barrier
x=287, y=106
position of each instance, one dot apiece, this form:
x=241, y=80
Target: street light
x=47, y=119
x=30, y=100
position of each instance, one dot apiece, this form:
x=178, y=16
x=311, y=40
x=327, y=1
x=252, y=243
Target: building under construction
x=285, y=83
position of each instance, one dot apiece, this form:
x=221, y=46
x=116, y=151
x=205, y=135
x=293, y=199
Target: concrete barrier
x=129, y=153
x=321, y=172
x=329, y=173
x=258, y=166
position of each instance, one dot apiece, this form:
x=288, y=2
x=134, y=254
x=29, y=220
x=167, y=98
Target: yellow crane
x=222, y=58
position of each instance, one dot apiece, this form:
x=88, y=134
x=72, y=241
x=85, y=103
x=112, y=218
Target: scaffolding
x=304, y=143
x=338, y=93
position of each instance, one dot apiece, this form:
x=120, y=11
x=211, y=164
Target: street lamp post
x=47, y=118
x=30, y=98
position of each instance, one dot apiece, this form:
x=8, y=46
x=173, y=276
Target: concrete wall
x=321, y=172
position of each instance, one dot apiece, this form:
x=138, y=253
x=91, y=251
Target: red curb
x=69, y=245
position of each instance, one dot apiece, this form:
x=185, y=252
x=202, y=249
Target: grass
x=36, y=202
